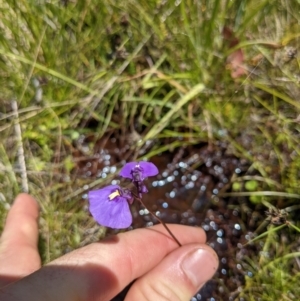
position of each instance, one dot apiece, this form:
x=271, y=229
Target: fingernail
x=200, y=265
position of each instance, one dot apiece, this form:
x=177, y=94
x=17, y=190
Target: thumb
x=178, y=276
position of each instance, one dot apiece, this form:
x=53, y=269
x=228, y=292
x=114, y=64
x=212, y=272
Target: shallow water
x=187, y=191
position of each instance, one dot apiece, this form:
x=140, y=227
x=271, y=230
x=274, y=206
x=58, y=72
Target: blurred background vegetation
x=157, y=75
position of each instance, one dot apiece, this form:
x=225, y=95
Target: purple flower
x=138, y=171
x=109, y=206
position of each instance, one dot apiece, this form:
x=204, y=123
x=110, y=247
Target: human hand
x=99, y=271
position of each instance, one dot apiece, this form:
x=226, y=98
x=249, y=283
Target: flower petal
x=126, y=170
x=114, y=213
x=149, y=169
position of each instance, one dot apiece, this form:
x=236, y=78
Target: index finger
x=104, y=268
x=18, y=243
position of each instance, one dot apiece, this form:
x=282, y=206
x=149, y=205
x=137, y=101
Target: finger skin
x=171, y=280
x=18, y=244
x=101, y=270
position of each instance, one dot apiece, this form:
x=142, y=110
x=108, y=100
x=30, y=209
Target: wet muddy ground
x=188, y=190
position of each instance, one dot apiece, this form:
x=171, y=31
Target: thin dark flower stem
x=162, y=222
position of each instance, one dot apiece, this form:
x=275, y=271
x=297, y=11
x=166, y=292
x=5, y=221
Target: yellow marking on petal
x=113, y=195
